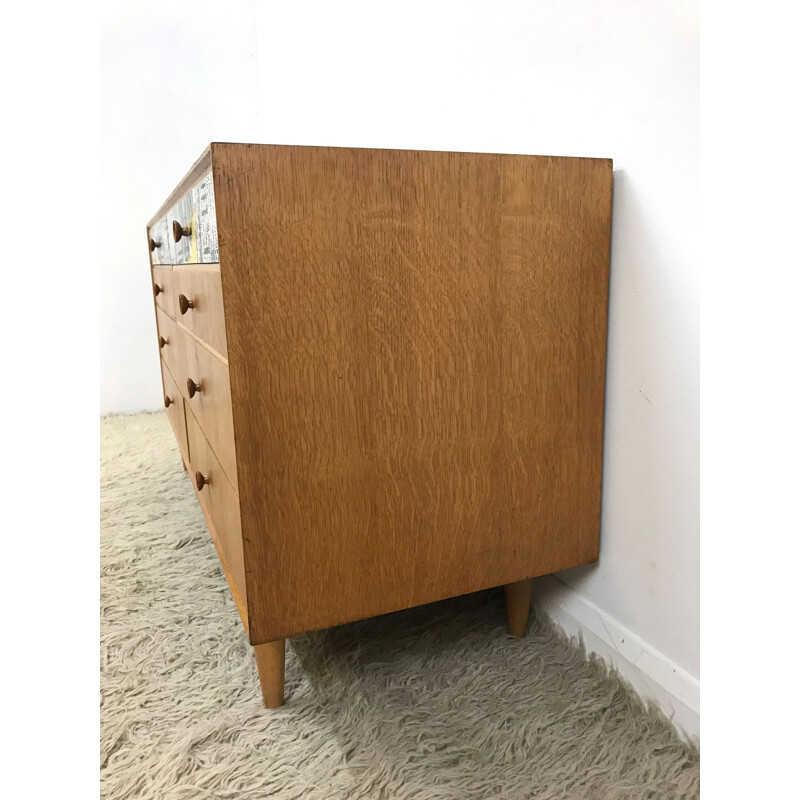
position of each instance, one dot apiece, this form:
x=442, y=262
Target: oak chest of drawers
x=385, y=373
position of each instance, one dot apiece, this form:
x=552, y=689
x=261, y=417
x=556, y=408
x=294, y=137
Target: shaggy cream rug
x=437, y=702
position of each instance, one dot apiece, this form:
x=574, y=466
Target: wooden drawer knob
x=179, y=230
x=193, y=387
x=162, y=342
x=154, y=244
x=184, y=303
x=157, y=289
x=167, y=401
x=201, y=480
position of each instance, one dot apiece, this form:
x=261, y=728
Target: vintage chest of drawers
x=385, y=373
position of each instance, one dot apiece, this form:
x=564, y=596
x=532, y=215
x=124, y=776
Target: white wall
x=174, y=77
x=613, y=79
x=616, y=79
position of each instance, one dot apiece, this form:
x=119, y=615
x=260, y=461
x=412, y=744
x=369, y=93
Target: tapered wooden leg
x=270, y=658
x=518, y=604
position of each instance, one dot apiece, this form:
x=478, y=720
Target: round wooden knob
x=162, y=342
x=192, y=387
x=179, y=230
x=154, y=244
x=184, y=303
x=201, y=480
x=167, y=401
x=157, y=289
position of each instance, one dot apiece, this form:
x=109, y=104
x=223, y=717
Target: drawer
x=170, y=343
x=192, y=224
x=207, y=391
x=198, y=293
x=163, y=289
x=205, y=212
x=219, y=502
x=160, y=243
x=183, y=227
x=174, y=403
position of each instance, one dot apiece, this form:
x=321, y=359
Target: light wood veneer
x=391, y=384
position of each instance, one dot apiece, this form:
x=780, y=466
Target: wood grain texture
x=201, y=284
x=270, y=661
x=174, y=402
x=212, y=404
x=163, y=289
x=518, y=607
x=220, y=505
x=171, y=351
x=416, y=344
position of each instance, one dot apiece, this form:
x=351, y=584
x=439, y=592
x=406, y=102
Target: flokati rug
x=432, y=703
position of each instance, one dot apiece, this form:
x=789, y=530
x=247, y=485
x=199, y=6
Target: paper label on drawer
x=182, y=212
x=206, y=221
x=160, y=234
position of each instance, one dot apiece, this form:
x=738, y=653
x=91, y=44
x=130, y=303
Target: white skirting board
x=652, y=675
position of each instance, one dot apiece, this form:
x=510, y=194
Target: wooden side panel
x=416, y=345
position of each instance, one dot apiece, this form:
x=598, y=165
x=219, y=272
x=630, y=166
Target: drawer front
x=198, y=294
x=183, y=225
x=163, y=289
x=193, y=220
x=206, y=218
x=160, y=241
x=170, y=343
x=219, y=501
x=208, y=396
x=173, y=400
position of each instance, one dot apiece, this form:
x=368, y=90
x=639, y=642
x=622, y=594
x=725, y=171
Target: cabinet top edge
x=203, y=164
x=196, y=171
x=215, y=145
